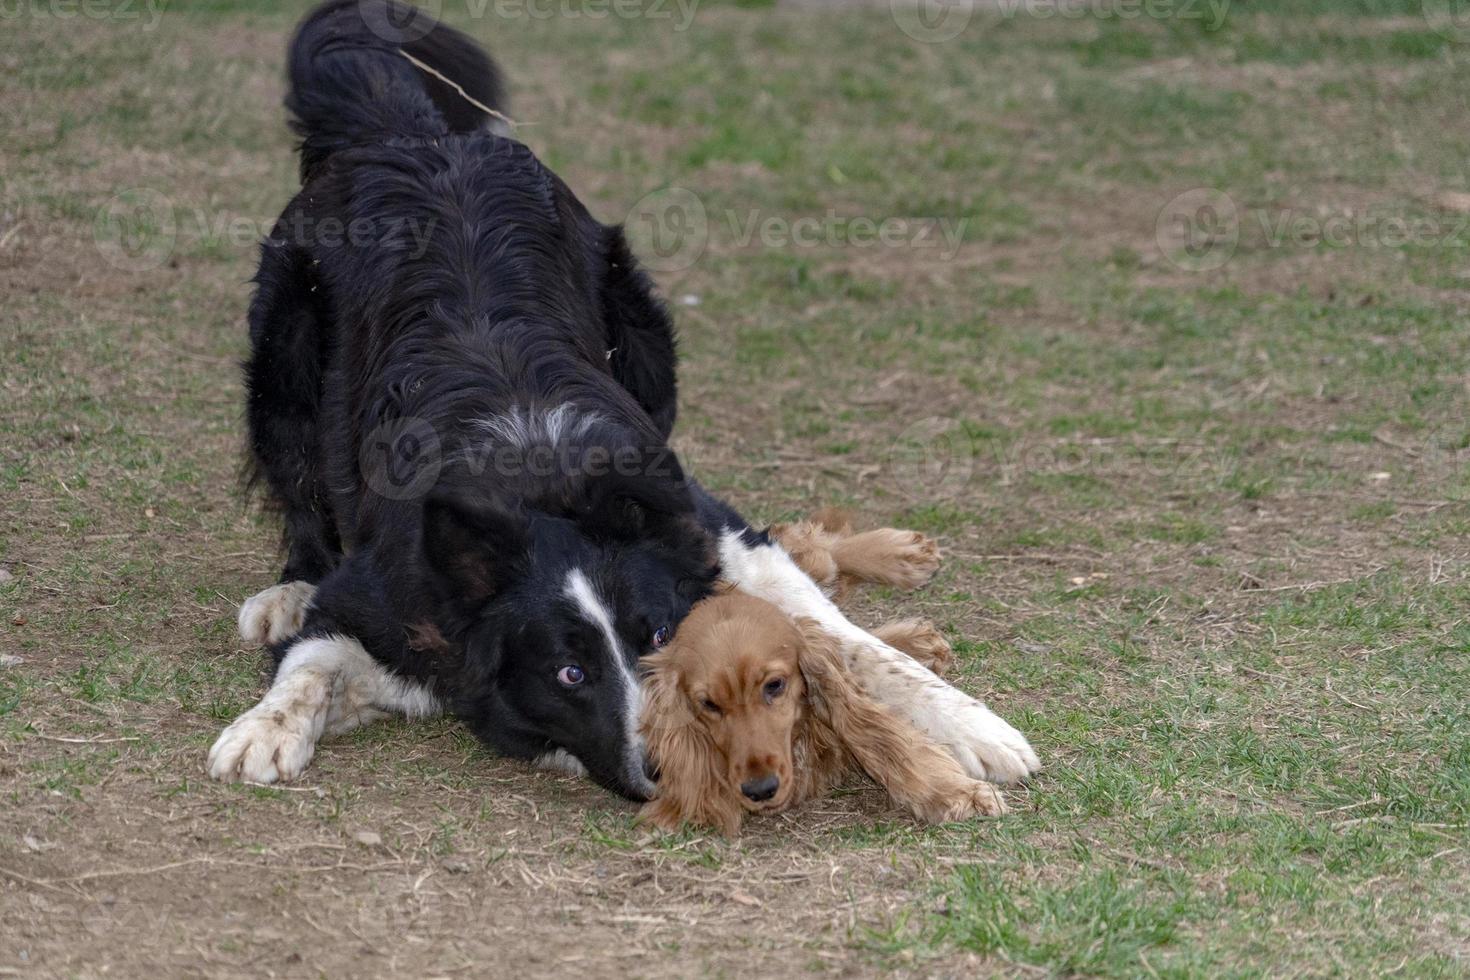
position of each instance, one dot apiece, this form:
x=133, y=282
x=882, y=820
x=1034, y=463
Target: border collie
x=460, y=393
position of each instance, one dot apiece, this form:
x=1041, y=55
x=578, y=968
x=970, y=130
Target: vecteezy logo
x=400, y=23
x=1198, y=230
x=668, y=229
x=1449, y=19
x=401, y=459
x=135, y=231
x=931, y=21
x=1444, y=458
x=932, y=459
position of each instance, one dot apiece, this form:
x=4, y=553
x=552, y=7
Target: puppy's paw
x=810, y=547
x=921, y=640
x=277, y=613
x=671, y=819
x=982, y=800
x=662, y=818
x=903, y=559
x=929, y=647
x=966, y=801
x=264, y=745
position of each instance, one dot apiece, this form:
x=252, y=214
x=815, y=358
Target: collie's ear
x=643, y=490
x=690, y=787
x=647, y=498
x=474, y=545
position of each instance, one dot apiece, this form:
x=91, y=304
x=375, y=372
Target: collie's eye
x=775, y=688
x=660, y=636
x=710, y=706
x=571, y=675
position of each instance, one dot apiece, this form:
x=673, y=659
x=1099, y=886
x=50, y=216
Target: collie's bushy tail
x=356, y=76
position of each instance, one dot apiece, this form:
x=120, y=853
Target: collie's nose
x=762, y=789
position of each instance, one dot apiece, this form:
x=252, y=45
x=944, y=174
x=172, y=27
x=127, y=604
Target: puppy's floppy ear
x=916, y=772
x=690, y=789
x=474, y=544
x=828, y=684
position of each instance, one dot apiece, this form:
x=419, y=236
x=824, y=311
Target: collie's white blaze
x=544, y=427
x=619, y=672
x=326, y=685
x=980, y=741
x=275, y=614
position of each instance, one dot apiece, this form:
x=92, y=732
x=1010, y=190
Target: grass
x=1204, y=520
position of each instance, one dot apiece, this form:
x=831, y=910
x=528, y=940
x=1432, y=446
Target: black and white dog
x=461, y=389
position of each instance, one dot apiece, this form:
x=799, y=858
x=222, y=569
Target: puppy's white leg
x=325, y=686
x=275, y=614
x=979, y=740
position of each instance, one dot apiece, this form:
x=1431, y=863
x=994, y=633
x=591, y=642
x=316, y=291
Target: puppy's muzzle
x=762, y=789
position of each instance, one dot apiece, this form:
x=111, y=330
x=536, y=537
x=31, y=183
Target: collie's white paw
x=277, y=613
x=262, y=747
x=274, y=741
x=980, y=741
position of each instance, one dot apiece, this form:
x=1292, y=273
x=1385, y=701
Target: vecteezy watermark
x=1210, y=13
x=670, y=230
x=1200, y=230
x=938, y=458
x=833, y=230
x=933, y=21
x=402, y=458
x=135, y=230
x=932, y=459
x=1443, y=457
x=1449, y=19
x=400, y=23
x=406, y=23
x=146, y=12
x=679, y=12
x=140, y=229
x=1359, y=228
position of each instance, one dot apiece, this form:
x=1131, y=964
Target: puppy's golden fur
x=744, y=694
x=825, y=547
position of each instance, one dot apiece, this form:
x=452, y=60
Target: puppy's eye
x=661, y=636
x=775, y=688
x=571, y=675
x=710, y=706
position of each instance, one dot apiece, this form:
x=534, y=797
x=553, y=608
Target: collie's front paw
x=276, y=614
x=266, y=744
x=980, y=741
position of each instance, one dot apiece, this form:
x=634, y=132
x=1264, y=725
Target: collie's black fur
x=460, y=389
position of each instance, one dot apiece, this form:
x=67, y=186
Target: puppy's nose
x=762, y=789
